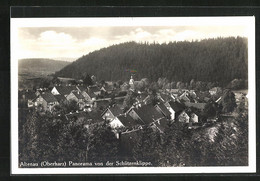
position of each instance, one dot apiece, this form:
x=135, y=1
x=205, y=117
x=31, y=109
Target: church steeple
x=131, y=83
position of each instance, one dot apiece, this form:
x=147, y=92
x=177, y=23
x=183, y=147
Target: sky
x=70, y=43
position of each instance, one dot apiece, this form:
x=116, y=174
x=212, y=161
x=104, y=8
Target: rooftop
x=65, y=90
x=128, y=121
x=164, y=109
x=78, y=95
x=115, y=109
x=48, y=97
x=148, y=113
x=199, y=106
x=176, y=106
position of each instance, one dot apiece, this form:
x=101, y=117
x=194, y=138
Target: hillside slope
x=221, y=60
x=40, y=64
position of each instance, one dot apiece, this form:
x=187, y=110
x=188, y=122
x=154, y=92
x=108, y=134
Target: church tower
x=131, y=83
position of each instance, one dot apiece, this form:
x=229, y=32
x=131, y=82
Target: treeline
x=210, y=60
x=224, y=144
x=53, y=138
x=49, y=137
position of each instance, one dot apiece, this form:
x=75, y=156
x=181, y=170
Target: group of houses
x=172, y=105
x=143, y=113
x=85, y=96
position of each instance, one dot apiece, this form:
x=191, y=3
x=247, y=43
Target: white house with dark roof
x=125, y=121
x=87, y=93
x=111, y=112
x=46, y=100
x=63, y=90
x=146, y=114
x=175, y=108
x=75, y=95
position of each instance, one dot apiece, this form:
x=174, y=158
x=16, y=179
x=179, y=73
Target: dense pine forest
x=211, y=60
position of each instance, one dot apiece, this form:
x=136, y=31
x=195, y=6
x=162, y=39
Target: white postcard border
x=248, y=21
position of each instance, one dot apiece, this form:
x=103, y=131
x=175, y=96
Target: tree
x=87, y=80
x=180, y=85
x=202, y=86
x=210, y=110
x=71, y=106
x=237, y=84
x=119, y=83
x=148, y=147
x=103, y=145
x=174, y=144
x=29, y=144
x=73, y=140
x=192, y=84
x=205, y=60
x=228, y=101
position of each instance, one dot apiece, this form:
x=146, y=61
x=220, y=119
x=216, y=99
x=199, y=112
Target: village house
x=40, y=91
x=46, y=100
x=111, y=112
x=88, y=94
x=194, y=118
x=94, y=117
x=163, y=109
x=94, y=89
x=215, y=90
x=147, y=114
x=183, y=117
x=165, y=97
x=194, y=114
x=89, y=118
x=60, y=98
x=78, y=115
x=107, y=88
x=139, y=100
x=203, y=96
x=63, y=90
x=100, y=104
x=186, y=96
x=78, y=97
x=175, y=108
x=125, y=86
x=124, y=121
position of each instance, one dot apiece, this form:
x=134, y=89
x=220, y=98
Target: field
x=28, y=79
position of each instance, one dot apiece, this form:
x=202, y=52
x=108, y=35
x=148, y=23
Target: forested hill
x=215, y=60
x=41, y=64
